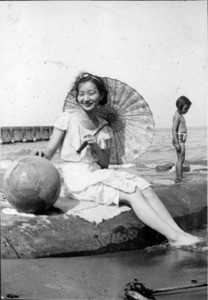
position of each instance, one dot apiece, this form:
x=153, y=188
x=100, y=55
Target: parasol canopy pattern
x=128, y=115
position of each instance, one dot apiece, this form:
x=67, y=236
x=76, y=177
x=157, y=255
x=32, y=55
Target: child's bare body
x=179, y=132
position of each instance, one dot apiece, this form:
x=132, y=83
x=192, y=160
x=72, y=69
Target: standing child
x=86, y=175
x=179, y=132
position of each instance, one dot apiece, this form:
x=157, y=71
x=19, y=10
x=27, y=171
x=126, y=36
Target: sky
x=158, y=48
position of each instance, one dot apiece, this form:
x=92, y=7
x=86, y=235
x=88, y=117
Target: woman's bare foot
x=186, y=239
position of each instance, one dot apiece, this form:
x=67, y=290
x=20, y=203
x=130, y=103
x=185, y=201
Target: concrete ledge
x=56, y=234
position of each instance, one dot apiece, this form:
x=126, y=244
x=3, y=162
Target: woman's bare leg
x=151, y=218
x=155, y=202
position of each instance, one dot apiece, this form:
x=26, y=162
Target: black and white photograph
x=103, y=122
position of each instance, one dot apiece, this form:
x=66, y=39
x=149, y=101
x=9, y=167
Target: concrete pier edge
x=58, y=235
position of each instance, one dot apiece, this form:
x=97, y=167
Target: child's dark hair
x=182, y=101
x=84, y=77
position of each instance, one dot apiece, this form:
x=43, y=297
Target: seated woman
x=86, y=174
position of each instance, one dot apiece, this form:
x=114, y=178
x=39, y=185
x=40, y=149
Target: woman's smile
x=87, y=102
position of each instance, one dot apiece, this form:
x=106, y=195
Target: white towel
x=95, y=212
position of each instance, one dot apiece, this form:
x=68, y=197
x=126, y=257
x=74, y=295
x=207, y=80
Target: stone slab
x=59, y=235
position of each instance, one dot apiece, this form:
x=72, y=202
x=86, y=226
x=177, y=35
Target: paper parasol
x=130, y=118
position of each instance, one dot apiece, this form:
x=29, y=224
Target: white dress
x=83, y=177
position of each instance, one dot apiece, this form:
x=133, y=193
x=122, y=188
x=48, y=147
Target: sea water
x=161, y=150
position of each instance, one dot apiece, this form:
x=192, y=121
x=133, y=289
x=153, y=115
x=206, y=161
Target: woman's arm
x=103, y=155
x=55, y=141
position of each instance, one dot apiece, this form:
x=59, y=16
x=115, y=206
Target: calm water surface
x=106, y=276
x=161, y=150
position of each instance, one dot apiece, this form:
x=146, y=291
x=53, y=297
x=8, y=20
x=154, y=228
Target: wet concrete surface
x=106, y=276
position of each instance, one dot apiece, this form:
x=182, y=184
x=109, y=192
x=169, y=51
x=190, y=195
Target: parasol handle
x=84, y=144
x=82, y=147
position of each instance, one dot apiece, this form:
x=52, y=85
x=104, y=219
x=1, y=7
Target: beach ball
x=31, y=184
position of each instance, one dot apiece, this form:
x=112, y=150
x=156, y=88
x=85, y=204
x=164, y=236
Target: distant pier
x=25, y=134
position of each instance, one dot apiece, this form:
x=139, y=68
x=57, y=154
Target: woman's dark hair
x=182, y=101
x=84, y=77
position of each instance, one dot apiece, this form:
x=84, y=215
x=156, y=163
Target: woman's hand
x=92, y=142
x=103, y=155
x=39, y=153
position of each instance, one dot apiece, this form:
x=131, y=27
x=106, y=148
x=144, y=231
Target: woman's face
x=88, y=96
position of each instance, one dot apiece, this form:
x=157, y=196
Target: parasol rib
x=125, y=100
x=132, y=100
x=120, y=143
x=123, y=97
x=117, y=149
